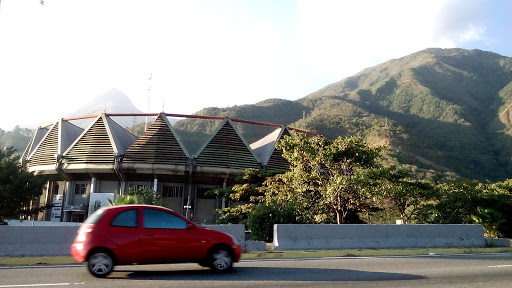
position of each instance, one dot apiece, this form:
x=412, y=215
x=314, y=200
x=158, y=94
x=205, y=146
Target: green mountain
x=17, y=138
x=444, y=110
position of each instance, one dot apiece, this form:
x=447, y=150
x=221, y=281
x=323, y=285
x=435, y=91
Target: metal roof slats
x=93, y=146
x=44, y=153
x=34, y=142
x=227, y=148
x=99, y=143
x=159, y=144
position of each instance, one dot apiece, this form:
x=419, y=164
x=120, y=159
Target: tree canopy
x=138, y=196
x=18, y=187
x=332, y=175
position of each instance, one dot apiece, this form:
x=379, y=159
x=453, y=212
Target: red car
x=144, y=234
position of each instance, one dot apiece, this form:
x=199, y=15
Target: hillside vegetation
x=443, y=110
x=436, y=111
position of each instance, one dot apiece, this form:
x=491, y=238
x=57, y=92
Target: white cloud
x=473, y=33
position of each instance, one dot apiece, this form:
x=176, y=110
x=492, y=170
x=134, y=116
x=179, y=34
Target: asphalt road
x=479, y=270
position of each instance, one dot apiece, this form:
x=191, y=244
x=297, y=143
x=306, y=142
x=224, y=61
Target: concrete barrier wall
x=40, y=240
x=36, y=240
x=43, y=240
x=40, y=223
x=498, y=242
x=235, y=230
x=360, y=236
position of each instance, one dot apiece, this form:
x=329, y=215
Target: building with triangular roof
x=48, y=144
x=104, y=160
x=97, y=146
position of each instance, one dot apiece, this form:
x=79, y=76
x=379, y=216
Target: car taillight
x=83, y=232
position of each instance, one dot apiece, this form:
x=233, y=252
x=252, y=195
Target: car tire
x=221, y=260
x=100, y=264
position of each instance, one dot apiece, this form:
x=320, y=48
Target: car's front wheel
x=221, y=260
x=100, y=264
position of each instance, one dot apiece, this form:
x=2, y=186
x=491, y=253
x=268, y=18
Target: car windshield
x=94, y=217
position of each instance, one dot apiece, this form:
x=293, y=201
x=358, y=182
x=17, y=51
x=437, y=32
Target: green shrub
x=264, y=216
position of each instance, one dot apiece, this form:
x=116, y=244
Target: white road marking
x=41, y=266
x=36, y=285
x=500, y=266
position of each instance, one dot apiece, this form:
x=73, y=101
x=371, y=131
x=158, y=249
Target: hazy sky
x=216, y=53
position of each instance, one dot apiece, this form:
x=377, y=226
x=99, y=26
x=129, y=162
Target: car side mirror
x=191, y=226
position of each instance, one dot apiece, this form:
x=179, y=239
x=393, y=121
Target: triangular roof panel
x=48, y=142
x=34, y=141
x=227, y=148
x=121, y=137
x=68, y=134
x=103, y=139
x=266, y=150
x=159, y=144
x=45, y=151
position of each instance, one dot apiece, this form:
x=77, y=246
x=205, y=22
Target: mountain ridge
x=435, y=109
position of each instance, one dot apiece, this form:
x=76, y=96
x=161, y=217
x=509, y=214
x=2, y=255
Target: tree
x=471, y=202
x=328, y=174
x=458, y=202
x=18, y=138
x=123, y=200
x=138, y=196
x=495, y=209
x=146, y=196
x=406, y=196
x=263, y=217
x=18, y=187
x=242, y=197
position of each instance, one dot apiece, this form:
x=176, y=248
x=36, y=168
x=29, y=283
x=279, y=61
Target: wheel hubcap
x=100, y=263
x=221, y=260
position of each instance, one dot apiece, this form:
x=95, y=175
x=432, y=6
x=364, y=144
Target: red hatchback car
x=144, y=234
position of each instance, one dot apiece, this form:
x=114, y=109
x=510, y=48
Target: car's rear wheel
x=221, y=260
x=100, y=264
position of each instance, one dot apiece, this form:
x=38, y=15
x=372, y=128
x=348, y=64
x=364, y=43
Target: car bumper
x=78, y=252
x=238, y=252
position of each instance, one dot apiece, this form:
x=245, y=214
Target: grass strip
x=289, y=254
x=276, y=254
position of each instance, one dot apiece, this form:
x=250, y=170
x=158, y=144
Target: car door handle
x=149, y=235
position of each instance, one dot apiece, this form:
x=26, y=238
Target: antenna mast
x=149, y=96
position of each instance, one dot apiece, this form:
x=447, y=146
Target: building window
x=80, y=189
x=175, y=191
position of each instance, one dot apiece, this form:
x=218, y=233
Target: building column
x=224, y=186
x=93, y=185
x=155, y=186
x=68, y=195
x=123, y=186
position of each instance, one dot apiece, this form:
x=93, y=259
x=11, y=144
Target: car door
x=166, y=238
x=124, y=232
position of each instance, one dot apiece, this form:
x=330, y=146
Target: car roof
x=136, y=206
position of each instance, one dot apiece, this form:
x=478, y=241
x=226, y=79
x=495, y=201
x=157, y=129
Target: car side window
x=126, y=218
x=162, y=220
